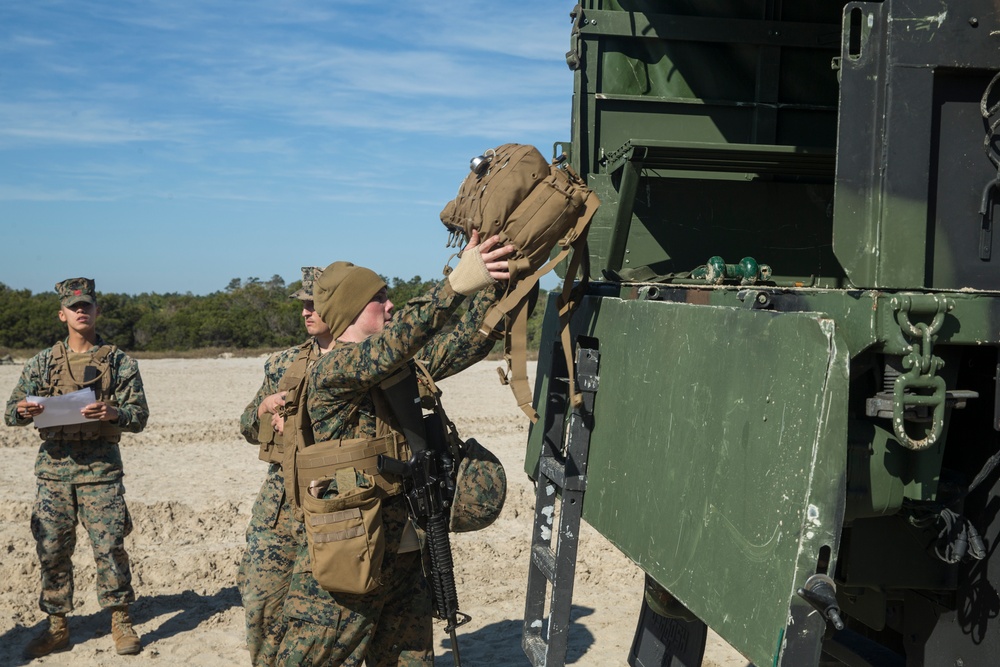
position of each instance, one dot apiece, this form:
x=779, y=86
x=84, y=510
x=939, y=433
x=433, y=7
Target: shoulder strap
x=57, y=361
x=425, y=376
x=297, y=370
x=297, y=431
x=103, y=359
x=513, y=310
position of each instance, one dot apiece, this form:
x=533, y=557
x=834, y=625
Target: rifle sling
x=403, y=396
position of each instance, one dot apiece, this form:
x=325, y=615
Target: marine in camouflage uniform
x=273, y=534
x=392, y=625
x=79, y=469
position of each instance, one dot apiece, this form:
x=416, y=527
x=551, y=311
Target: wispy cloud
x=331, y=109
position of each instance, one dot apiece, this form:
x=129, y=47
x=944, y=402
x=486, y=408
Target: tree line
x=247, y=314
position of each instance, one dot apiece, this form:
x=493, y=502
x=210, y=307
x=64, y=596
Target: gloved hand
x=480, y=265
x=470, y=275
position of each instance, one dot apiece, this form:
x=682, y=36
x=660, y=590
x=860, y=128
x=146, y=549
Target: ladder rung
x=545, y=560
x=535, y=647
x=553, y=470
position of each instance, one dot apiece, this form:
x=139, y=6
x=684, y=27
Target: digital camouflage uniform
x=273, y=534
x=392, y=625
x=81, y=480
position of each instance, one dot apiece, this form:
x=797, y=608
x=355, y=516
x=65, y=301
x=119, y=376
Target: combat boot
x=126, y=639
x=53, y=638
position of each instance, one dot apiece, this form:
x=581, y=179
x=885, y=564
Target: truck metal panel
x=799, y=446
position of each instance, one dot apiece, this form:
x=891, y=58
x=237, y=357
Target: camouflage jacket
x=274, y=369
x=340, y=406
x=91, y=460
x=338, y=401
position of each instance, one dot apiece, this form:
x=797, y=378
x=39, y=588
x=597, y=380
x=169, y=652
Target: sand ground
x=191, y=480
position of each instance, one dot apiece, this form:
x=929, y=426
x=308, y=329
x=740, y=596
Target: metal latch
x=820, y=591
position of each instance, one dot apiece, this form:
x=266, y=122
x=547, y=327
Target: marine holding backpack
x=391, y=623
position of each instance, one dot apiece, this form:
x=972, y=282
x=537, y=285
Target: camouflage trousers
x=390, y=627
x=101, y=508
x=266, y=569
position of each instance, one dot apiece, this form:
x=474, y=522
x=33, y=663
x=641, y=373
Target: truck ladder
x=562, y=468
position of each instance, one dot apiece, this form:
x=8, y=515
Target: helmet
x=480, y=489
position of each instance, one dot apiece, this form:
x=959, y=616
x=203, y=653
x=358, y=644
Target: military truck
x=784, y=403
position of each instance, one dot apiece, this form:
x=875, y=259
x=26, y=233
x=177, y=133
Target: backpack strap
x=512, y=309
x=570, y=297
x=516, y=356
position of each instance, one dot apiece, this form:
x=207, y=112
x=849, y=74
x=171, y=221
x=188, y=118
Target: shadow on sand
x=499, y=644
x=194, y=609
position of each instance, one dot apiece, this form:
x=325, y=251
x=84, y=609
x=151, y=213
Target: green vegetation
x=248, y=315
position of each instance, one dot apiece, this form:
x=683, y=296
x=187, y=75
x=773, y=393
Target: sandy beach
x=191, y=480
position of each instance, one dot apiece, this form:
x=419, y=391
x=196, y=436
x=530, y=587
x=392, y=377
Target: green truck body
x=827, y=405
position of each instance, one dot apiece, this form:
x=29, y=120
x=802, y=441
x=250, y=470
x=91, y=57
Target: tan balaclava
x=342, y=292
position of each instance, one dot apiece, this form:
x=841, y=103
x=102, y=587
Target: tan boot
x=53, y=638
x=126, y=639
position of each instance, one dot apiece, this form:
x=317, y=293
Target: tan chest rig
x=306, y=461
x=272, y=443
x=65, y=378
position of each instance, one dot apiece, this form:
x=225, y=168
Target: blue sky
x=171, y=146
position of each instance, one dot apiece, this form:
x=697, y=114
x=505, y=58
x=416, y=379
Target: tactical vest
x=272, y=443
x=63, y=380
x=307, y=460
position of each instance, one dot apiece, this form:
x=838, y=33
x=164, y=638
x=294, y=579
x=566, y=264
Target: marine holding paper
x=79, y=466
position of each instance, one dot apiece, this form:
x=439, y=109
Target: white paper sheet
x=65, y=409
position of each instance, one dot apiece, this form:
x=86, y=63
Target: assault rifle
x=429, y=486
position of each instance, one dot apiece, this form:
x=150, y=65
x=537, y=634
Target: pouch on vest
x=323, y=459
x=534, y=206
x=344, y=532
x=305, y=460
x=268, y=450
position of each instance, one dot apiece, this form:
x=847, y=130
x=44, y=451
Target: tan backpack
x=533, y=205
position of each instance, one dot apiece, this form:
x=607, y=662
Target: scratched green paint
x=706, y=455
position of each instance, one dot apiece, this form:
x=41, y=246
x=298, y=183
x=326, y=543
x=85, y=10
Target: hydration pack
x=534, y=206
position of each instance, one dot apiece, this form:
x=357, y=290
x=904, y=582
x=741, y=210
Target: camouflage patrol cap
x=310, y=274
x=76, y=290
x=480, y=489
